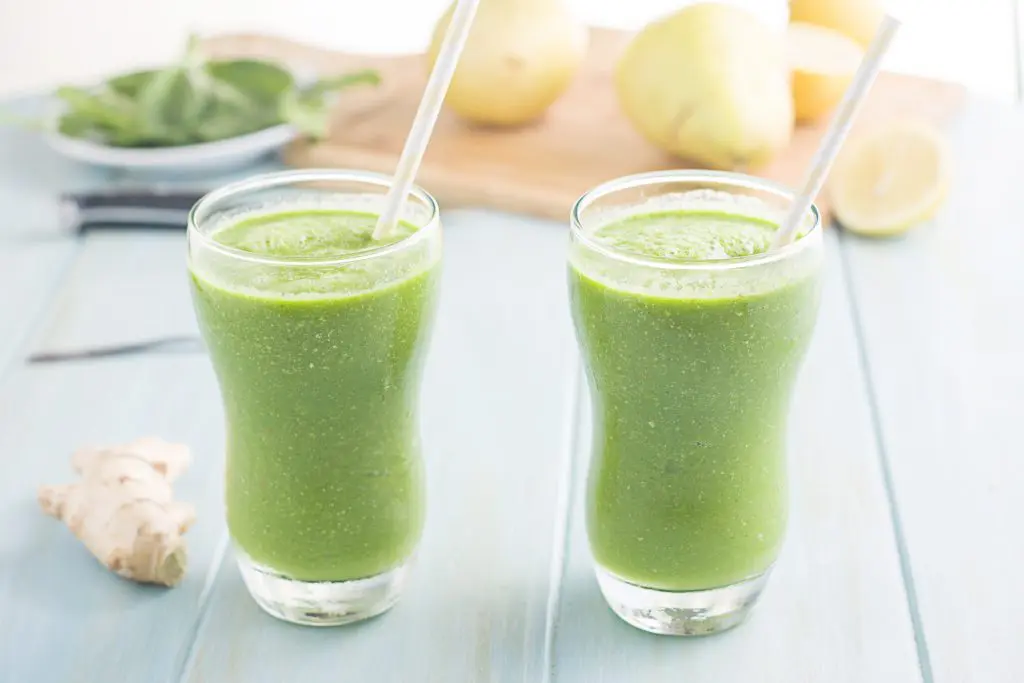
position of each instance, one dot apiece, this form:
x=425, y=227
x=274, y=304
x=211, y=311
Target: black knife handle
x=181, y=201
x=127, y=209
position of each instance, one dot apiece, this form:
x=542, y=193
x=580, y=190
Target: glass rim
x=291, y=177
x=636, y=180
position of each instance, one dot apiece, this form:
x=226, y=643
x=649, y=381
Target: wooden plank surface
x=542, y=168
x=30, y=274
x=65, y=616
x=124, y=287
x=483, y=601
x=834, y=609
x=490, y=600
x=495, y=406
x=940, y=316
x=34, y=176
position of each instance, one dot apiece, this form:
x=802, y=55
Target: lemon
x=823, y=62
x=857, y=19
x=890, y=178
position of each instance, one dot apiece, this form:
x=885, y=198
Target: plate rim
x=201, y=153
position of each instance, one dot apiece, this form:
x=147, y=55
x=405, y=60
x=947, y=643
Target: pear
x=709, y=83
x=823, y=62
x=519, y=57
x=855, y=19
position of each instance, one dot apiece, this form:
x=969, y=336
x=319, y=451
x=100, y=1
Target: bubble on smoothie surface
x=305, y=233
x=687, y=236
x=316, y=235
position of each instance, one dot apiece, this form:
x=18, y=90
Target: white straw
x=426, y=115
x=838, y=130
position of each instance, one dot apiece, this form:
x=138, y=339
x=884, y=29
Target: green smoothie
x=691, y=373
x=319, y=365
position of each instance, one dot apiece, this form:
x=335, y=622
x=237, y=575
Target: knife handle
x=127, y=209
x=181, y=201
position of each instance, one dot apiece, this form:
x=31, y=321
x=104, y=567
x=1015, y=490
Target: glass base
x=681, y=613
x=321, y=603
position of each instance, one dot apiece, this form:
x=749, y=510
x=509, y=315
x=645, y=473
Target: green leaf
x=308, y=110
x=75, y=125
x=261, y=82
x=103, y=108
x=335, y=84
x=185, y=104
x=171, y=101
x=130, y=84
x=227, y=119
x=307, y=115
x=161, y=98
x=197, y=100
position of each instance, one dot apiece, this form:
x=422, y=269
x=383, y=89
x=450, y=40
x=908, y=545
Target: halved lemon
x=890, y=178
x=822, y=63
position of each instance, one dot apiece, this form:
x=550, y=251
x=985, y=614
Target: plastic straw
x=426, y=115
x=842, y=120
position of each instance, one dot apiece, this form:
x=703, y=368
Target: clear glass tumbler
x=691, y=365
x=317, y=334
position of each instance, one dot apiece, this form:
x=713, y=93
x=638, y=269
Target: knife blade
x=129, y=209
x=173, y=343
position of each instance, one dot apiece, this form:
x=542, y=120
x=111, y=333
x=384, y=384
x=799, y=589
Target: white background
x=47, y=42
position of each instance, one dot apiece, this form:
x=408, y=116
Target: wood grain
x=139, y=275
x=539, y=169
x=66, y=618
x=34, y=176
x=834, y=609
x=491, y=601
x=940, y=314
x=29, y=276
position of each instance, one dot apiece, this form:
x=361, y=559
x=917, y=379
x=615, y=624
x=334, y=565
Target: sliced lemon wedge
x=890, y=178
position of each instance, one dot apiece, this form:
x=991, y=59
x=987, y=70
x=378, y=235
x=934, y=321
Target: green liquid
x=319, y=369
x=690, y=382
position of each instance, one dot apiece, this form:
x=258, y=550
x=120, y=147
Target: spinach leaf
x=261, y=82
x=308, y=110
x=228, y=119
x=104, y=108
x=198, y=100
x=130, y=84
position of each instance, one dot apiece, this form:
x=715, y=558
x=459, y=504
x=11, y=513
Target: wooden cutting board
x=540, y=169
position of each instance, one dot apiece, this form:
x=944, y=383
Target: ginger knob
x=123, y=508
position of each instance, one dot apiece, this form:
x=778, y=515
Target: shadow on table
x=586, y=627
x=443, y=632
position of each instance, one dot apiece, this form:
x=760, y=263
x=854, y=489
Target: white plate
x=222, y=154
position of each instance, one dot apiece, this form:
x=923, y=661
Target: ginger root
x=123, y=508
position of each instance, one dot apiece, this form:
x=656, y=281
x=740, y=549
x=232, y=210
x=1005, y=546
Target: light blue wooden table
x=905, y=544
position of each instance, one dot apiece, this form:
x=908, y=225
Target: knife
x=127, y=209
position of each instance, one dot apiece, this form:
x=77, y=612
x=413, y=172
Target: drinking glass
x=691, y=365
x=317, y=338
